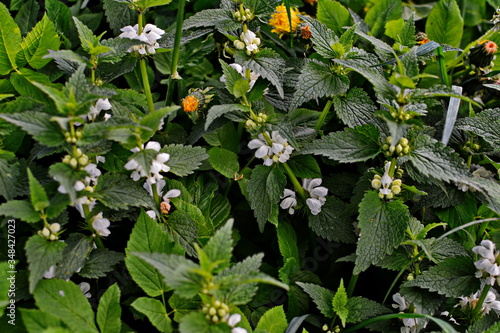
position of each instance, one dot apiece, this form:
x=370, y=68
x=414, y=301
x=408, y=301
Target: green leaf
x=304, y=166
x=6, y=268
x=269, y=64
x=485, y=124
x=65, y=300
x=264, y=190
x=184, y=228
x=144, y=4
x=118, y=15
x=217, y=111
x=41, y=255
x=75, y=254
x=27, y=17
x=322, y=37
x=361, y=308
x=317, y=80
x=147, y=236
x=333, y=15
x=118, y=191
x=322, y=297
x=287, y=241
x=454, y=277
x=154, y=121
x=196, y=322
x=109, y=311
x=39, y=125
x=60, y=14
x=274, y=320
x=402, y=31
x=333, y=222
x=382, y=227
x=20, y=209
x=184, y=160
x=100, y=262
x=222, y=19
x=27, y=82
x=9, y=173
x=89, y=42
x=67, y=177
x=445, y=24
x=182, y=306
x=231, y=75
x=224, y=161
x=38, y=196
x=339, y=303
x=42, y=38
x=351, y=145
x=382, y=12
x=355, y=108
x=39, y=321
x=10, y=41
x=155, y=311
x=220, y=247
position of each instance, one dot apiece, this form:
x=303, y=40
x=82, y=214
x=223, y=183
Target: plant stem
x=442, y=67
x=392, y=168
x=479, y=304
x=352, y=284
x=175, y=52
x=323, y=115
x=145, y=82
x=295, y=181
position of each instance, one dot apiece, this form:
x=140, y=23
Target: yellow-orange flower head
x=279, y=20
x=190, y=103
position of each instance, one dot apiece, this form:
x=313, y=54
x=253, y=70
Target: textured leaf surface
x=20, y=209
x=9, y=172
x=322, y=297
x=274, y=320
x=486, y=124
x=382, y=12
x=355, y=108
x=333, y=222
x=445, y=24
x=382, y=227
x=118, y=15
x=118, y=191
x=38, y=41
x=155, y=311
x=217, y=111
x=339, y=303
x=264, y=190
x=100, y=262
x=224, y=161
x=333, y=15
x=454, y=277
x=75, y=254
x=351, y=145
x=10, y=41
x=361, y=308
x=184, y=160
x=65, y=300
x=109, y=311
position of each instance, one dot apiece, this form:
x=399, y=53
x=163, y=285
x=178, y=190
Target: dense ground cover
x=249, y=166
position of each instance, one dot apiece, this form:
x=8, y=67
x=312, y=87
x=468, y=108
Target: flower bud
x=239, y=45
x=395, y=189
x=73, y=162
x=381, y=195
x=221, y=313
x=66, y=159
x=403, y=142
x=215, y=319
x=325, y=327
x=52, y=237
x=83, y=160
x=385, y=146
x=55, y=227
x=45, y=232
x=389, y=196
x=376, y=184
x=217, y=304
x=392, y=149
x=397, y=182
x=406, y=150
x=399, y=149
x=212, y=311
x=388, y=139
x=89, y=189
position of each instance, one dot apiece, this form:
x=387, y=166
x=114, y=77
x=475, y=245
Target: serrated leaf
x=67, y=177
x=382, y=12
x=382, y=227
x=38, y=321
x=39, y=125
x=147, y=236
x=361, y=308
x=184, y=160
x=423, y=301
x=118, y=15
x=88, y=41
x=264, y=190
x=333, y=222
x=65, y=300
x=100, y=262
x=109, y=311
x=304, y=166
x=182, y=306
x=155, y=311
x=196, y=322
x=143, y=4
x=10, y=41
x=217, y=111
x=322, y=297
x=38, y=196
x=339, y=303
x=154, y=121
x=41, y=255
x=317, y=80
x=231, y=76
x=486, y=124
x=333, y=15
x=273, y=320
x=220, y=247
x=38, y=41
x=182, y=226
x=9, y=172
x=20, y=209
x=222, y=19
x=351, y=145
x=445, y=24
x=75, y=254
x=454, y=277
x=224, y=161
x=118, y=191
x=355, y=108
x=287, y=241
x=322, y=37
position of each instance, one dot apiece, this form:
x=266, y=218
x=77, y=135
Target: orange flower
x=483, y=53
x=489, y=47
x=279, y=20
x=305, y=32
x=190, y=103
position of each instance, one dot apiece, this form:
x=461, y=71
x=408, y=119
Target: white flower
x=289, y=201
x=95, y=110
x=50, y=273
x=316, y=194
x=232, y=321
x=78, y=186
x=279, y=151
x=101, y=225
x=251, y=41
x=242, y=71
x=487, y=264
x=410, y=324
x=489, y=303
x=85, y=287
x=157, y=165
x=165, y=205
x=150, y=34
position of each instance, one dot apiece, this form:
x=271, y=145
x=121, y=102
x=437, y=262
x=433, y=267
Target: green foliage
x=184, y=159
x=333, y=15
x=10, y=41
x=445, y=24
x=339, y=303
x=224, y=161
x=382, y=12
x=155, y=311
x=43, y=37
x=109, y=311
x=273, y=320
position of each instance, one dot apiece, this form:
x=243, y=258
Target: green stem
x=156, y=197
x=295, y=182
x=352, y=284
x=479, y=304
x=392, y=168
x=442, y=67
x=139, y=24
x=175, y=51
x=323, y=115
x=145, y=82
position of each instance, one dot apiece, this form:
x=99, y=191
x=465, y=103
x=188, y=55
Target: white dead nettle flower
x=489, y=303
x=317, y=194
x=165, y=204
x=85, y=287
x=101, y=225
x=479, y=172
x=95, y=110
x=289, y=201
x=150, y=34
x=253, y=76
x=279, y=151
x=232, y=321
x=157, y=165
x=251, y=41
x=411, y=325
x=487, y=264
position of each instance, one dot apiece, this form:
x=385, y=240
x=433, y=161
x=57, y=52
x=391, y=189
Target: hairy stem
x=323, y=115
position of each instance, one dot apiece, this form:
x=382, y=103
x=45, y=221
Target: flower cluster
x=165, y=204
x=272, y=149
x=157, y=165
x=489, y=303
x=149, y=35
x=244, y=15
x=248, y=41
x=402, y=148
x=218, y=312
x=52, y=232
x=487, y=264
x=411, y=325
x=315, y=200
x=280, y=22
x=242, y=70
x=479, y=172
x=386, y=185
x=95, y=110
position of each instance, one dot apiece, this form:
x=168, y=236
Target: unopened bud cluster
x=51, y=233
x=216, y=312
x=401, y=115
x=399, y=150
x=388, y=186
x=243, y=15
x=73, y=137
x=259, y=120
x=326, y=329
x=78, y=161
